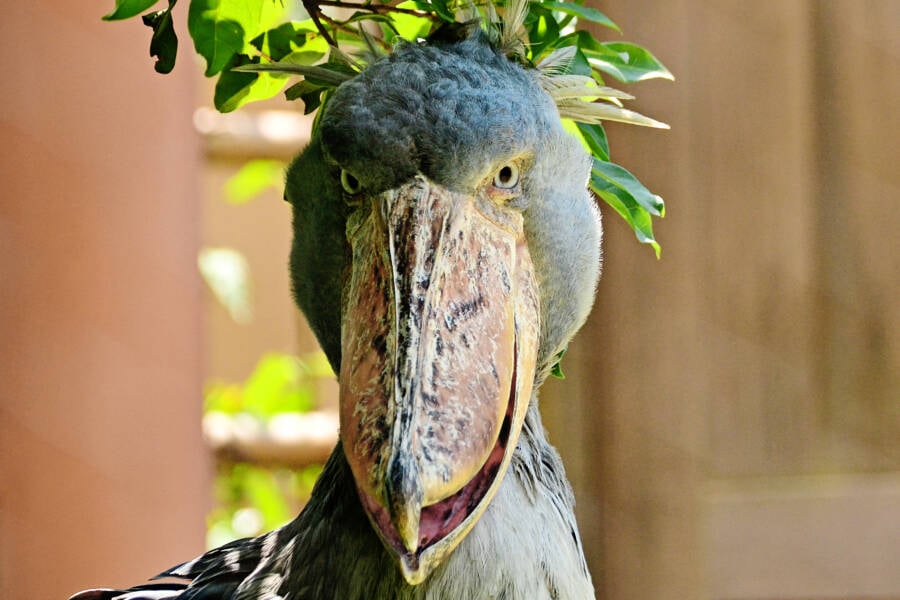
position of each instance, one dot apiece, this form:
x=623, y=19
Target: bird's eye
x=507, y=177
x=350, y=183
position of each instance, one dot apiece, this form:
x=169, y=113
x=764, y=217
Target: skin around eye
x=350, y=183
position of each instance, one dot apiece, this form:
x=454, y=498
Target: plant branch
x=312, y=8
x=342, y=26
x=375, y=8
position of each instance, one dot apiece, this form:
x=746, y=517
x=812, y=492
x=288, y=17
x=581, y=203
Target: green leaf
x=303, y=57
x=236, y=88
x=125, y=9
x=300, y=89
x=625, y=61
x=556, y=370
x=216, y=41
x=406, y=26
x=437, y=7
x=581, y=66
x=307, y=92
x=628, y=66
x=443, y=11
x=594, y=137
x=585, y=13
x=327, y=75
x=543, y=30
x=291, y=43
x=637, y=64
x=361, y=16
x=621, y=178
x=233, y=87
x=628, y=208
x=254, y=178
x=637, y=218
x=295, y=36
x=338, y=62
x=164, y=43
x=282, y=40
x=222, y=29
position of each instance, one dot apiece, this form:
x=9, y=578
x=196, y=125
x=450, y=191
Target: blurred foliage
x=226, y=272
x=253, y=47
x=280, y=383
x=253, y=178
x=252, y=499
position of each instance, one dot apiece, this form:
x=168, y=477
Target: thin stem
x=342, y=26
x=375, y=8
x=312, y=8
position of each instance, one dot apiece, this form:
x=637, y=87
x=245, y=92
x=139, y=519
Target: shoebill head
x=446, y=249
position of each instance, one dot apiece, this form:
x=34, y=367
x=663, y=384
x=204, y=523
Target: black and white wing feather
x=243, y=569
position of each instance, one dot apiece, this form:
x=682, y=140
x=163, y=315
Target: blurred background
x=730, y=417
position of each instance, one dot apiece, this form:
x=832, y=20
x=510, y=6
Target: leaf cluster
x=251, y=499
x=280, y=383
x=254, y=47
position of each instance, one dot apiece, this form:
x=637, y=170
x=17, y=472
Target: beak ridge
x=438, y=348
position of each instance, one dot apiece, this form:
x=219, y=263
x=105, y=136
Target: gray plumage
x=452, y=112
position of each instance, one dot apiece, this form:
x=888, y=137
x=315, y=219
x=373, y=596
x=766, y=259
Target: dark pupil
x=505, y=175
x=352, y=182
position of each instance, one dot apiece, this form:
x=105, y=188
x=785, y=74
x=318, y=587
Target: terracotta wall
x=103, y=477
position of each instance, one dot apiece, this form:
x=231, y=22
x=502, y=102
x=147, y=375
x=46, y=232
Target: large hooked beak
x=439, y=341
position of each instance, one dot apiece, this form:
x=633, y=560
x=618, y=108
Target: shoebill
x=445, y=251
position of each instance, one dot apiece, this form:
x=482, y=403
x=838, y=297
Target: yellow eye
x=507, y=177
x=350, y=183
